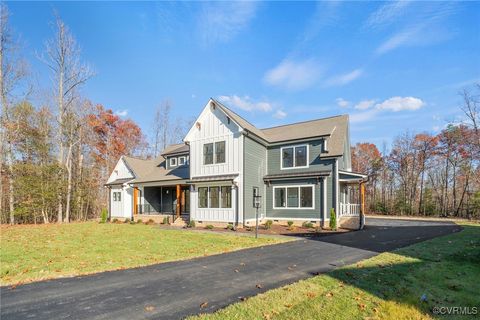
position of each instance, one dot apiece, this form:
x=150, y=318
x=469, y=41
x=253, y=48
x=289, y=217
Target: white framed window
x=182, y=160
x=294, y=157
x=294, y=197
x=173, y=162
x=214, y=152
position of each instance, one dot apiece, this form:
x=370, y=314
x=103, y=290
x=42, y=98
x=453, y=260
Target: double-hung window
x=173, y=162
x=294, y=197
x=215, y=197
x=214, y=152
x=294, y=157
x=182, y=160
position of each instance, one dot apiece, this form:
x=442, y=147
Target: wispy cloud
x=342, y=102
x=221, y=21
x=279, y=114
x=121, y=113
x=245, y=103
x=365, y=104
x=293, y=75
x=387, y=13
x=343, y=79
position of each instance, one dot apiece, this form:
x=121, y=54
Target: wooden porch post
x=135, y=200
x=362, y=205
x=179, y=204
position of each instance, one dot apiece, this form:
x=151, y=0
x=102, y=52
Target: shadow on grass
x=445, y=271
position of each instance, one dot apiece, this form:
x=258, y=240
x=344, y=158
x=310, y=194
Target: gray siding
x=255, y=168
x=315, y=162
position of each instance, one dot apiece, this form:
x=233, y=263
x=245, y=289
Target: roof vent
x=198, y=125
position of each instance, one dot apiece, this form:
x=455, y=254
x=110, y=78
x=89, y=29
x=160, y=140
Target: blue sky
x=393, y=66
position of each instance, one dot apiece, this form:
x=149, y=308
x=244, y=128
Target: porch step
x=181, y=221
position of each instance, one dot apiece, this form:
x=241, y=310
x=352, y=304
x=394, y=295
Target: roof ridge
x=224, y=106
x=306, y=121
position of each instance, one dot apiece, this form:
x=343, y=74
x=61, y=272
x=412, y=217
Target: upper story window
x=182, y=161
x=294, y=157
x=214, y=152
x=173, y=162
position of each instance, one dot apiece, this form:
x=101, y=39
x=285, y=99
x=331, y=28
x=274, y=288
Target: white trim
x=184, y=160
x=299, y=197
x=337, y=187
x=171, y=161
x=294, y=147
x=219, y=197
x=282, y=218
x=324, y=204
x=353, y=173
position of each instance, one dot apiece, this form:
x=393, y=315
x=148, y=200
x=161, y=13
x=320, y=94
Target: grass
x=387, y=286
x=38, y=252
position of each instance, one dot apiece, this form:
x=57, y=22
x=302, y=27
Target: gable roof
x=336, y=128
x=176, y=149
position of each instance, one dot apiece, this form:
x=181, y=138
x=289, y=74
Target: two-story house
x=297, y=172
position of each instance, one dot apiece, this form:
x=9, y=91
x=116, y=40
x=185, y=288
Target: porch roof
x=351, y=177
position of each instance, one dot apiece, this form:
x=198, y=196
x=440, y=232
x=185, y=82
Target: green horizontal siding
x=255, y=164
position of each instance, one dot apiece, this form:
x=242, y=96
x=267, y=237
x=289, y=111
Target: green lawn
x=32, y=253
x=388, y=286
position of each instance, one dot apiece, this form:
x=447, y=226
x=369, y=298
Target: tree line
x=56, y=156
x=427, y=174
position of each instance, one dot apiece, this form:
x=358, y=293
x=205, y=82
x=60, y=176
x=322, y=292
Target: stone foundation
x=350, y=222
x=157, y=218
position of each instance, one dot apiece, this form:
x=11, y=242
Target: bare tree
x=12, y=71
x=471, y=108
x=161, y=126
x=69, y=74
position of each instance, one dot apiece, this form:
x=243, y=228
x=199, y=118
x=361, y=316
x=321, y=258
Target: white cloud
x=121, y=113
x=279, y=114
x=245, y=103
x=294, y=75
x=365, y=104
x=342, y=102
x=344, y=79
x=387, y=13
x=396, y=104
x=397, y=40
x=221, y=21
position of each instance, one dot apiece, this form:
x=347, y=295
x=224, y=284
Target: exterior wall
x=120, y=171
x=255, y=166
x=315, y=162
x=123, y=208
x=214, y=126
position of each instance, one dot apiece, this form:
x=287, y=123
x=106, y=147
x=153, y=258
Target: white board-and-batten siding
x=213, y=126
x=123, y=208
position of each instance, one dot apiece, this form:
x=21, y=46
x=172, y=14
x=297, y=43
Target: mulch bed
x=279, y=230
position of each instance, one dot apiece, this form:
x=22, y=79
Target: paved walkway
x=177, y=289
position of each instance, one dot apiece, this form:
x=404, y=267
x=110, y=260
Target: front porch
x=352, y=199
x=159, y=201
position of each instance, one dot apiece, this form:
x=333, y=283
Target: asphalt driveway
x=177, y=289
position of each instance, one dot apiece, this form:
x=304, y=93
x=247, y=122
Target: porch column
x=179, y=199
x=135, y=200
x=362, y=205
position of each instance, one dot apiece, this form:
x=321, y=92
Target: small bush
x=230, y=227
x=290, y=223
x=139, y=221
x=103, y=216
x=307, y=224
x=333, y=219
x=115, y=220
x=166, y=220
x=191, y=224
x=150, y=221
x=268, y=224
x=133, y=222
x=126, y=220
x=209, y=227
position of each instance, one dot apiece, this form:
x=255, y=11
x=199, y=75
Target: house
x=297, y=172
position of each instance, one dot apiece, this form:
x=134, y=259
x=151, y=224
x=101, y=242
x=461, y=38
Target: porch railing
x=146, y=209
x=349, y=209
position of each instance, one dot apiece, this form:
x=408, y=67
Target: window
x=217, y=149
x=208, y=153
x=181, y=161
x=220, y=152
x=294, y=157
x=293, y=197
x=214, y=197
x=119, y=196
x=114, y=196
x=226, y=196
x=173, y=162
x=203, y=197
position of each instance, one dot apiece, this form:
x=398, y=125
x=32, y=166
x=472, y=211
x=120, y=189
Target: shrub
x=150, y=221
x=126, y=220
x=290, y=224
x=268, y=224
x=132, y=222
x=209, y=227
x=307, y=224
x=166, y=220
x=103, y=215
x=139, y=221
x=115, y=220
x=191, y=224
x=230, y=227
x=333, y=219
